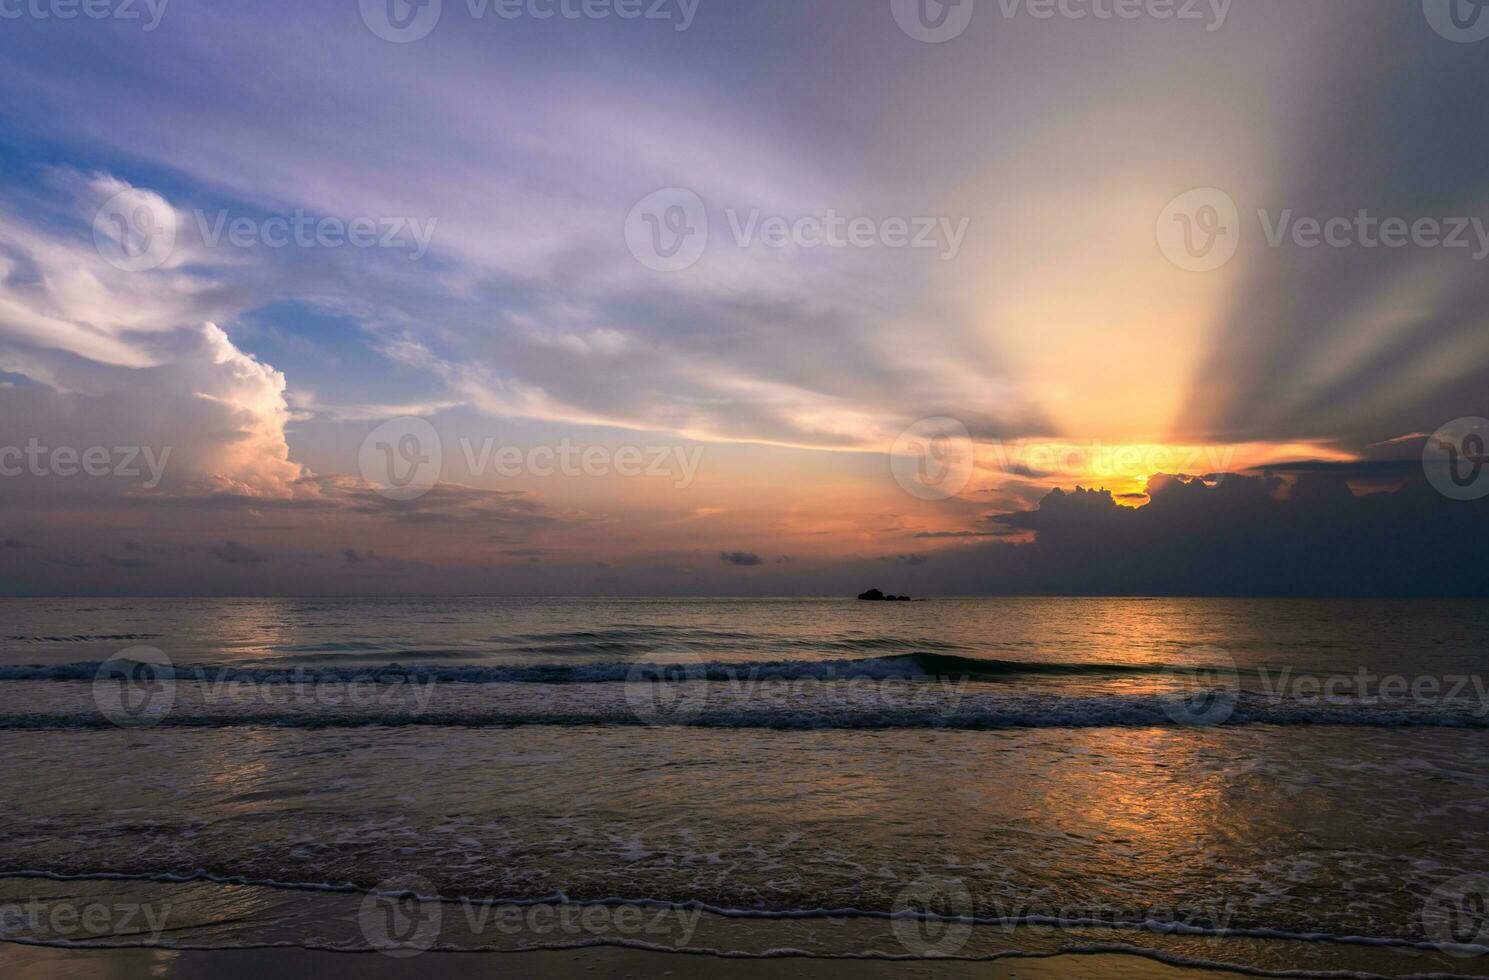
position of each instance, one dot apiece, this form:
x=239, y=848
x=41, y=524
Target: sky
x=715, y=297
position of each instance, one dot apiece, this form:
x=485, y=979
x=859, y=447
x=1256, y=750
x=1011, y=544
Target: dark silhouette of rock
x=874, y=595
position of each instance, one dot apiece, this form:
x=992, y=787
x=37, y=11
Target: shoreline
x=39, y=962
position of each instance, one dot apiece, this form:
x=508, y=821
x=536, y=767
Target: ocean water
x=1277, y=785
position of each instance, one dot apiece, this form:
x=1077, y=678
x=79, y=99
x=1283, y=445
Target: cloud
x=529, y=303
x=943, y=535
x=907, y=561
x=741, y=559
x=235, y=553
x=1378, y=469
x=130, y=359
x=1246, y=535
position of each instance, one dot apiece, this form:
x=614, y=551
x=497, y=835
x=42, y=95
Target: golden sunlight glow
x=1125, y=469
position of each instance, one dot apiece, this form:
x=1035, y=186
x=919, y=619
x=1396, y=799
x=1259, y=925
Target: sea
x=1281, y=786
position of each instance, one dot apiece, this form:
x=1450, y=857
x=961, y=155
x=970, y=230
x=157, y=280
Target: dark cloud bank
x=1247, y=535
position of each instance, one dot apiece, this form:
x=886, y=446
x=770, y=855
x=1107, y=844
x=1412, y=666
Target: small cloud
x=14, y=544
x=939, y=535
x=908, y=561
x=355, y=557
x=129, y=563
x=741, y=559
x=236, y=554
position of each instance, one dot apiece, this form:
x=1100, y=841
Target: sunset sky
x=502, y=162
